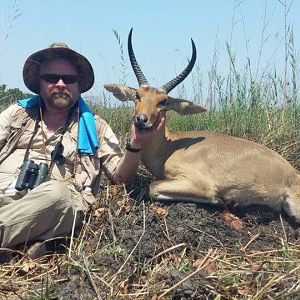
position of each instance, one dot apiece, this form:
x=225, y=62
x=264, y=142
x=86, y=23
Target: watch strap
x=129, y=147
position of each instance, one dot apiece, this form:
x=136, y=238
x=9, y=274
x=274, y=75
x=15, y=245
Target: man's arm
x=127, y=167
x=128, y=164
x=5, y=122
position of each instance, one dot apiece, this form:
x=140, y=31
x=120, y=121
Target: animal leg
x=183, y=190
x=291, y=204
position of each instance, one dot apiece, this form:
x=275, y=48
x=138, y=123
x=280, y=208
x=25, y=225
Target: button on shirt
x=78, y=171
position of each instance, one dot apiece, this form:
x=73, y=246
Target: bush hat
x=31, y=69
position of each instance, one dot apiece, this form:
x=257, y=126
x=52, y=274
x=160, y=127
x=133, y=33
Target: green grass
x=261, y=107
x=276, y=128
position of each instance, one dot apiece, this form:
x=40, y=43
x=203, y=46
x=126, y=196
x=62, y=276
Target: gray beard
x=60, y=102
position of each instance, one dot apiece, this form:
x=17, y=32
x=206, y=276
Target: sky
x=161, y=35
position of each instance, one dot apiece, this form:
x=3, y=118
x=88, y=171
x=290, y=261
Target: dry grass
x=132, y=249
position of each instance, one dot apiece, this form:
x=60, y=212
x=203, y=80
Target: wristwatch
x=129, y=148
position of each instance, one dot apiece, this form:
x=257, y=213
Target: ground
x=133, y=248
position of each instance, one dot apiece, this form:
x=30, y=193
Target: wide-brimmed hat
x=31, y=69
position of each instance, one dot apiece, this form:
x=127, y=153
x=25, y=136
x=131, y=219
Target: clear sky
x=161, y=36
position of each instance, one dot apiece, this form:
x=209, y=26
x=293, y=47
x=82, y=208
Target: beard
x=60, y=99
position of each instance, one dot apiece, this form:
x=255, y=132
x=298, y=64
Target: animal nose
x=141, y=121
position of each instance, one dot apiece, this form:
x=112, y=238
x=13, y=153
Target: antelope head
x=206, y=167
x=150, y=101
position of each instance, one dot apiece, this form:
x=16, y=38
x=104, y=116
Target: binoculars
x=31, y=175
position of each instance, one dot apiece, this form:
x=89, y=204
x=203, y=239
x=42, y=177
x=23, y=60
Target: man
x=52, y=150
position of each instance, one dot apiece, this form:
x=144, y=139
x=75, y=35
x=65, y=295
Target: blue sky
x=161, y=37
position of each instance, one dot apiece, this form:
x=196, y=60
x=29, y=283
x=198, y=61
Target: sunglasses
x=54, y=78
x=57, y=154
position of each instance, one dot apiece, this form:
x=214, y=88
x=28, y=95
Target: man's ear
x=121, y=92
x=184, y=107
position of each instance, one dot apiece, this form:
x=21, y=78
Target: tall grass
x=6, y=98
x=263, y=107
x=7, y=24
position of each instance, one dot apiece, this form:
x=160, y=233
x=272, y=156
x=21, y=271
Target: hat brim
x=31, y=69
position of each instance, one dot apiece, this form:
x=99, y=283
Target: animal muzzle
x=142, y=122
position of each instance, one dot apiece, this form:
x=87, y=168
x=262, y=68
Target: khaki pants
x=45, y=212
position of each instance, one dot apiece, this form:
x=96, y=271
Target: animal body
x=206, y=167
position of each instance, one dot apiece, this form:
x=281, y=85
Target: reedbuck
x=206, y=167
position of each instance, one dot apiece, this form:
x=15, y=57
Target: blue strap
x=88, y=141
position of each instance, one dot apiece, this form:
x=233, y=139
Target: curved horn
x=135, y=66
x=178, y=79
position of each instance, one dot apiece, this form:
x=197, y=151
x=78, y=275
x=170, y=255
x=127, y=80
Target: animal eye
x=162, y=103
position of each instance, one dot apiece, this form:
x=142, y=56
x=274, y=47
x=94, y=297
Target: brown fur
x=209, y=167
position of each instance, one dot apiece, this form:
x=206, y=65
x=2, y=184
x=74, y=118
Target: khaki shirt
x=80, y=172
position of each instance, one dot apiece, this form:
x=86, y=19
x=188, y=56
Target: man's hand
x=128, y=165
x=140, y=138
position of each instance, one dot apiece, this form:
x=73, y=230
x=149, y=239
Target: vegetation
x=9, y=96
x=132, y=248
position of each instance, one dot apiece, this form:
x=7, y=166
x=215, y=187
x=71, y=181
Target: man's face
x=59, y=93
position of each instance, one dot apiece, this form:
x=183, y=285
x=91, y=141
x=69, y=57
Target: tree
x=9, y=96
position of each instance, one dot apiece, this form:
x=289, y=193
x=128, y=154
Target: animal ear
x=184, y=107
x=121, y=92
